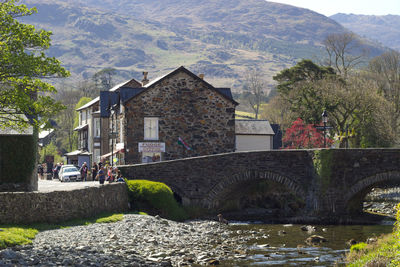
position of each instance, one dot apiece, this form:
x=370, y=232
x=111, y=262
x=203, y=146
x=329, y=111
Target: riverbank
x=137, y=240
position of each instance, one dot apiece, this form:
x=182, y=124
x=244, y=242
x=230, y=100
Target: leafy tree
x=296, y=85
x=300, y=136
x=50, y=149
x=22, y=66
x=305, y=70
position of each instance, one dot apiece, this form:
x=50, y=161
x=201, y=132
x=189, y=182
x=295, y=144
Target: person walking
x=95, y=169
x=101, y=176
x=84, y=171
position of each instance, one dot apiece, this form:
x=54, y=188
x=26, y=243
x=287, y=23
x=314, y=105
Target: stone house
x=175, y=116
x=93, y=129
x=252, y=135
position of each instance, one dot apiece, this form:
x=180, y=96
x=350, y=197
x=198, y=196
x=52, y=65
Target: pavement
x=56, y=185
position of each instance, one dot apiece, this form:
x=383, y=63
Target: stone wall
x=187, y=107
x=57, y=206
x=329, y=181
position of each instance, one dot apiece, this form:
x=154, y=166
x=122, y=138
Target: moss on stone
x=322, y=161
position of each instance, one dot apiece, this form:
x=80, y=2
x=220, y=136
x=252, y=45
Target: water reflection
x=284, y=245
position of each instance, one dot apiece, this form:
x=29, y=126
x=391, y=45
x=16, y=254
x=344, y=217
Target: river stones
x=315, y=239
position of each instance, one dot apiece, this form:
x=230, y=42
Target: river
x=284, y=245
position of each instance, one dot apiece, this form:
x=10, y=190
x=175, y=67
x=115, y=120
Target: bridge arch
x=229, y=182
x=355, y=195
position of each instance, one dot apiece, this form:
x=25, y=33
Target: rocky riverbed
x=383, y=201
x=138, y=240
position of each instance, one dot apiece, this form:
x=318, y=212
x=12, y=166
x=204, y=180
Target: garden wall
x=58, y=206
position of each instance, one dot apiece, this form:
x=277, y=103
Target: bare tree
x=344, y=52
x=255, y=86
x=386, y=72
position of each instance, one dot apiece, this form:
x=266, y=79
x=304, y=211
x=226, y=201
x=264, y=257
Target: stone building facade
x=178, y=115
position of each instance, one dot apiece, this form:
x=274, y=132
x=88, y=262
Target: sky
x=360, y=7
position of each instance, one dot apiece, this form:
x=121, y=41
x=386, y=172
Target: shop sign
x=151, y=147
x=119, y=146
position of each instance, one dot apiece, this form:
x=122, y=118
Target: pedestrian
x=95, y=169
x=110, y=176
x=84, y=171
x=40, y=171
x=101, y=176
x=56, y=170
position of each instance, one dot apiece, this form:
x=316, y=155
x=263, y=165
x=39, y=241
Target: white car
x=69, y=173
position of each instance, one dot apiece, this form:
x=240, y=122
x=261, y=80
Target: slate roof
x=253, y=127
x=89, y=104
x=225, y=92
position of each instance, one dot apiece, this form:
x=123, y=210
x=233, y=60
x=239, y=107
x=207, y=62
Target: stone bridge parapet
x=329, y=181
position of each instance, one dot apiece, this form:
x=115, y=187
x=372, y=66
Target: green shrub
x=358, y=247
x=155, y=197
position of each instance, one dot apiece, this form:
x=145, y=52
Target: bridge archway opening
x=379, y=193
x=259, y=199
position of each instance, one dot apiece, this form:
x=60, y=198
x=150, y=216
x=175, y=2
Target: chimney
x=145, y=80
x=201, y=76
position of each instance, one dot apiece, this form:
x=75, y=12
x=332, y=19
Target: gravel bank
x=138, y=240
x=383, y=201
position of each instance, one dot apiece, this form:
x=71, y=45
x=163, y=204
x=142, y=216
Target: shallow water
x=268, y=246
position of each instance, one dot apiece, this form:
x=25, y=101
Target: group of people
x=106, y=173
x=100, y=172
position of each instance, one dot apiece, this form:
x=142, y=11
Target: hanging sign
x=151, y=147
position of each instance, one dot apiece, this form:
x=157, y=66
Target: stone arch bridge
x=328, y=181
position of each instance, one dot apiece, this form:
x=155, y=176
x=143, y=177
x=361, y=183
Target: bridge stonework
x=329, y=181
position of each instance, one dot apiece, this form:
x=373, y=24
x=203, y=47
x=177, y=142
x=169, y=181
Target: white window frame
x=151, y=128
x=97, y=128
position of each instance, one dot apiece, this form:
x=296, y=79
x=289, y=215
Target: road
x=56, y=185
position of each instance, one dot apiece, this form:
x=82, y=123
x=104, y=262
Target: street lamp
x=324, y=120
x=112, y=134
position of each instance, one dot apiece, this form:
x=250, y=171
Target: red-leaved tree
x=301, y=135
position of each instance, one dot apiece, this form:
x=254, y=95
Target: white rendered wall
x=253, y=142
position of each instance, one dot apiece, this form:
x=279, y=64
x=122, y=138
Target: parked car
x=69, y=173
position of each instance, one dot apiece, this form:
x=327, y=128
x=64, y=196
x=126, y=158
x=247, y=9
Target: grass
x=155, y=198
x=384, y=252
x=244, y=114
x=13, y=235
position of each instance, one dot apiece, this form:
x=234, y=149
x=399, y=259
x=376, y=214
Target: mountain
x=219, y=38
x=383, y=29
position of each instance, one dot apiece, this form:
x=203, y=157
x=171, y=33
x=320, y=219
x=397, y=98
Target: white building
x=253, y=135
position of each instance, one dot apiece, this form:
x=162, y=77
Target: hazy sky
x=364, y=7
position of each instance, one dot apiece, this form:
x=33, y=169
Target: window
x=151, y=128
x=97, y=127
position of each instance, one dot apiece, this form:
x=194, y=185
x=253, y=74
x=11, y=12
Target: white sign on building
x=151, y=147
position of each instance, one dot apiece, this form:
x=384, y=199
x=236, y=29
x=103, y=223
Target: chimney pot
x=145, y=80
x=201, y=76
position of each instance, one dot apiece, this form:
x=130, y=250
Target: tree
x=255, y=86
x=104, y=78
x=385, y=70
x=344, y=52
x=23, y=65
x=297, y=85
x=300, y=136
x=303, y=71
